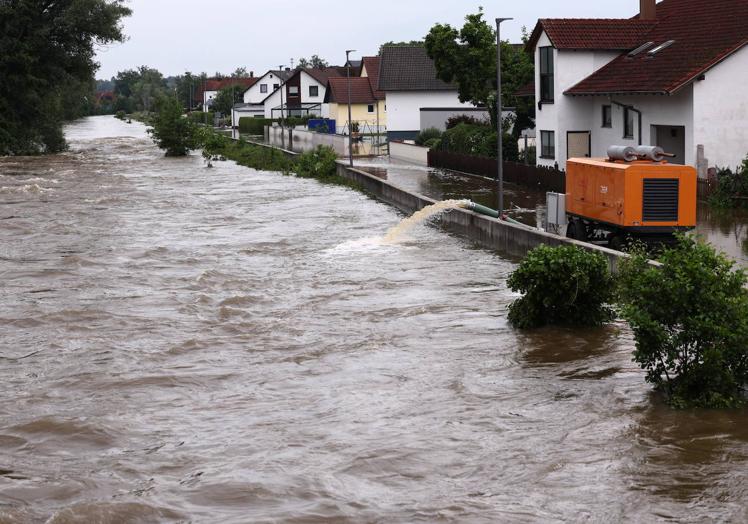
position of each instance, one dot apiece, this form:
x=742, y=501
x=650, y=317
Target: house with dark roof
x=674, y=75
x=254, y=96
x=407, y=76
x=368, y=108
x=303, y=93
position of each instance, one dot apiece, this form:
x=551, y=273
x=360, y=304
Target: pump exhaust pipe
x=482, y=210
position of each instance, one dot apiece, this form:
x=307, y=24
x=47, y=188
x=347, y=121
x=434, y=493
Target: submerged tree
x=690, y=321
x=172, y=131
x=47, y=66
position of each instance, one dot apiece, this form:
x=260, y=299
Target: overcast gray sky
x=221, y=35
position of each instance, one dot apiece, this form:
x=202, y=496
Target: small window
x=313, y=90
x=660, y=48
x=546, y=75
x=628, y=123
x=370, y=108
x=293, y=90
x=263, y=88
x=607, y=116
x=275, y=86
x=548, y=144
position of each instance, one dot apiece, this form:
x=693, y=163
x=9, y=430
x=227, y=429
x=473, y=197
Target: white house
x=672, y=76
x=253, y=105
x=408, y=77
x=303, y=93
x=209, y=90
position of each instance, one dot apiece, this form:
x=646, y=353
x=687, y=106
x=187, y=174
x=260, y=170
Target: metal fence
x=535, y=177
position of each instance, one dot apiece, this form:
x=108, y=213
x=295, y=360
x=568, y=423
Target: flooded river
x=183, y=344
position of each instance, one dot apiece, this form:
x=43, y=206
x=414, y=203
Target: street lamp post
x=350, y=123
x=283, y=131
x=500, y=132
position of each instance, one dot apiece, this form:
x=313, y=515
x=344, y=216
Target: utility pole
x=350, y=129
x=500, y=132
x=281, y=87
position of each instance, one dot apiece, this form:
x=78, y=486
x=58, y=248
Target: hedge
x=253, y=126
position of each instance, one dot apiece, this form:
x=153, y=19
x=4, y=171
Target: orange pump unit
x=615, y=199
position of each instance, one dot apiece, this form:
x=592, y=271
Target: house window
x=263, y=88
x=548, y=144
x=628, y=123
x=607, y=116
x=313, y=90
x=546, y=75
x=370, y=108
x=275, y=86
x=293, y=90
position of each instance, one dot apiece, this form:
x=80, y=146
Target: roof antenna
x=292, y=64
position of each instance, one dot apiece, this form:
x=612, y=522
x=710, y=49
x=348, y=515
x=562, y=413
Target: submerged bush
x=321, y=163
x=171, y=131
x=690, y=320
x=561, y=285
x=732, y=187
x=120, y=115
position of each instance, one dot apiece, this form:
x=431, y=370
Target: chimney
x=288, y=69
x=647, y=9
x=251, y=74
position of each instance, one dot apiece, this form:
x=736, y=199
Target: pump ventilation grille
x=661, y=199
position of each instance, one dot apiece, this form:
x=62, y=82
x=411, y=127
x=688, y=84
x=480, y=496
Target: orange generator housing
x=639, y=198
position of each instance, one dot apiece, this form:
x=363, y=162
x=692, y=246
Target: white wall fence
x=300, y=140
x=409, y=153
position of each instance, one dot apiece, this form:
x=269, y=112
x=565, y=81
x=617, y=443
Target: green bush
x=426, y=135
x=253, y=126
x=433, y=143
x=321, y=163
x=199, y=117
x=478, y=140
x=120, y=114
x=732, y=187
x=561, y=285
x=690, y=321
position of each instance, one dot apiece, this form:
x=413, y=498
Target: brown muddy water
x=181, y=344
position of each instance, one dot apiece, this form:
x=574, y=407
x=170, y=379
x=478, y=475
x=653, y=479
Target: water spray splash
x=396, y=233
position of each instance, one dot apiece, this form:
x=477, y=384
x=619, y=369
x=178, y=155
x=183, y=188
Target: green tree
x=46, y=57
x=690, y=321
x=313, y=61
x=396, y=44
x=226, y=98
x=467, y=57
x=171, y=131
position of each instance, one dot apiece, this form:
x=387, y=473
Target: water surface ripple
x=183, y=344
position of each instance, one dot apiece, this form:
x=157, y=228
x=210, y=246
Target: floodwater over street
x=226, y=345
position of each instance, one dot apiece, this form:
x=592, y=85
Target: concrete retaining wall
x=301, y=140
x=409, y=153
x=509, y=239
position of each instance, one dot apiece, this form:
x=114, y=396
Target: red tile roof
x=217, y=85
x=372, y=64
x=361, y=92
x=705, y=33
x=591, y=33
x=526, y=90
x=322, y=74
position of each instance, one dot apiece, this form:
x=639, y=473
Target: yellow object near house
x=368, y=104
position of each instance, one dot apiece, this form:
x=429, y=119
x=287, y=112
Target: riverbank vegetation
x=171, y=131
x=561, y=285
x=732, y=187
x=690, y=321
x=47, y=67
x=689, y=313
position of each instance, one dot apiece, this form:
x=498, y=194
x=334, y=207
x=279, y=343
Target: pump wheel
x=577, y=230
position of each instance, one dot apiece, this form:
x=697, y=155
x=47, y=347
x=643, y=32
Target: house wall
x=272, y=101
x=207, y=96
x=721, y=111
x=307, y=81
x=404, y=110
x=566, y=113
x=359, y=113
x=676, y=110
x=253, y=94
x=437, y=117
x=249, y=112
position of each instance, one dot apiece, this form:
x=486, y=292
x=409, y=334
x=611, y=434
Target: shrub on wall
x=426, y=135
x=690, y=321
x=561, y=285
x=732, y=187
x=319, y=163
x=478, y=140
